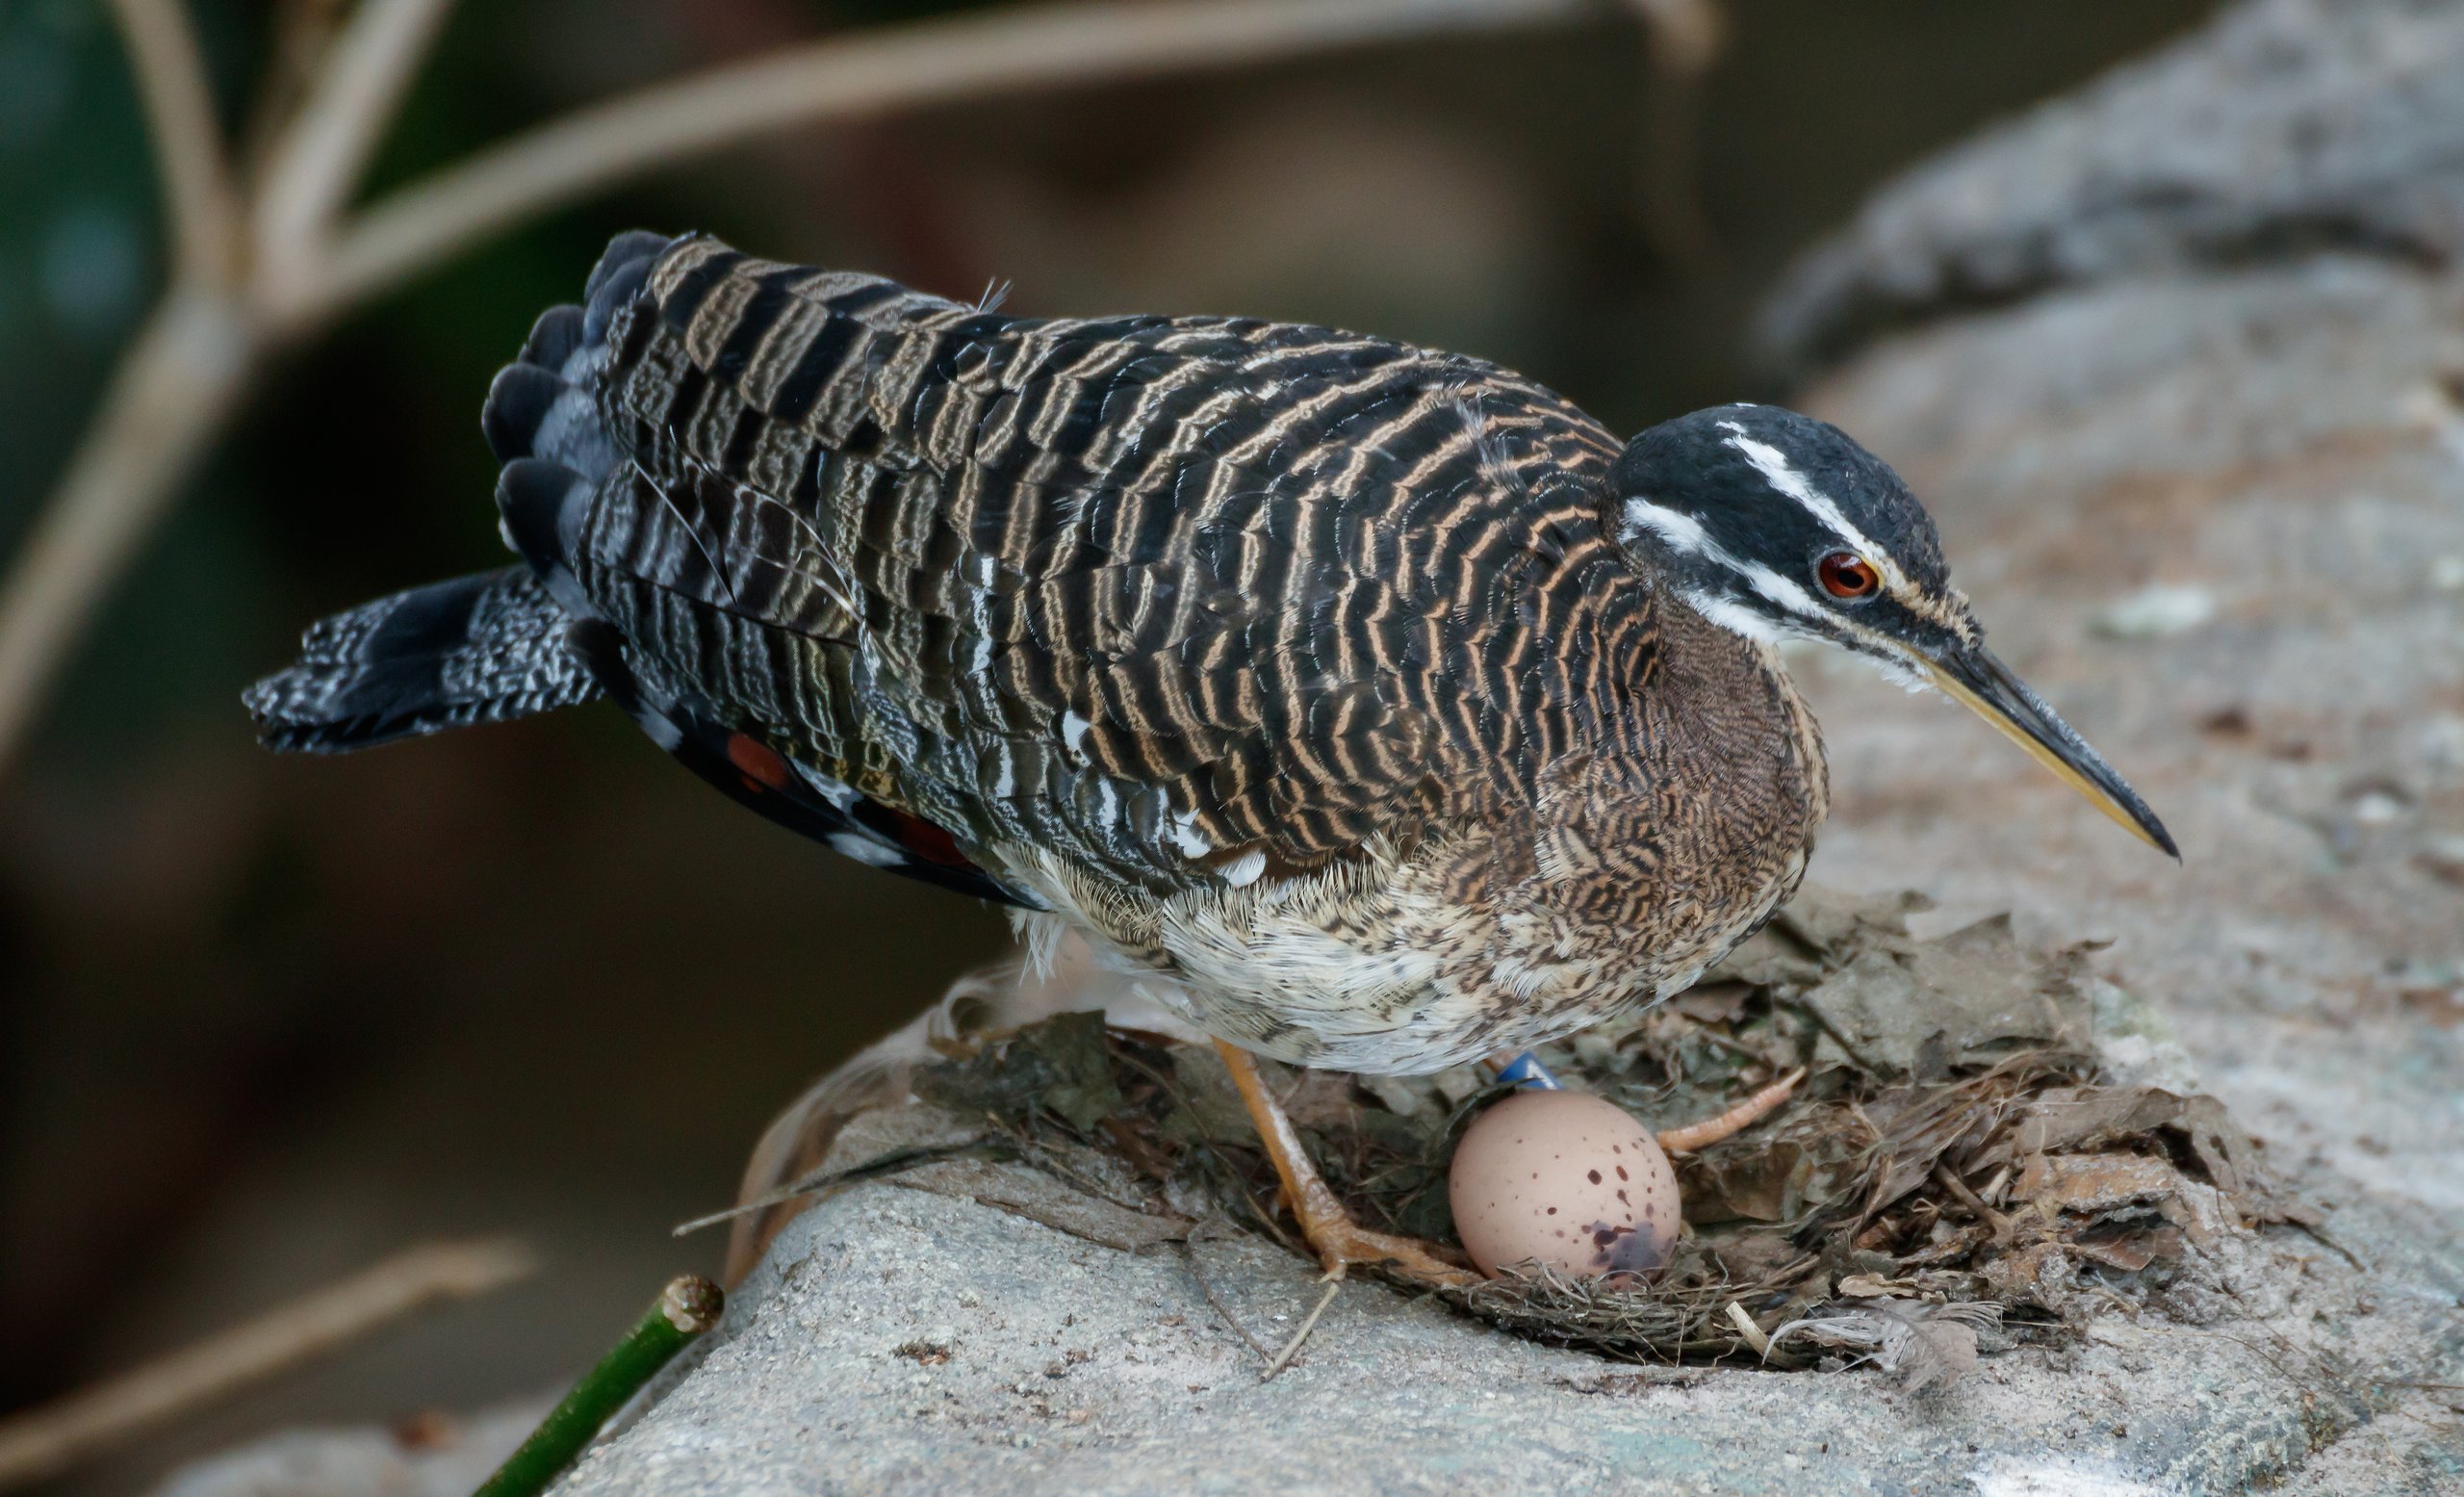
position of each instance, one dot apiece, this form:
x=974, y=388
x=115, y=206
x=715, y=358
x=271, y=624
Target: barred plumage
x=474, y=650
x=1227, y=581
x=1375, y=696
x=1153, y=616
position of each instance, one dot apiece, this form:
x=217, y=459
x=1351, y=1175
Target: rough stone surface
x=2289, y=127
x=897, y=1341
x=2286, y=442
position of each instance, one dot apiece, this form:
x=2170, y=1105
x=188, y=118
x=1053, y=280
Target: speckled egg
x=1566, y=1179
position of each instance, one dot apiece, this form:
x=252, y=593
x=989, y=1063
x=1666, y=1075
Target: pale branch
x=199, y=200
x=1681, y=39
x=49, y=1437
x=306, y=259
x=1686, y=35
x=965, y=57
x=177, y=383
x=317, y=160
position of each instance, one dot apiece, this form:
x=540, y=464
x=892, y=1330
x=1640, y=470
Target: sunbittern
x=1372, y=695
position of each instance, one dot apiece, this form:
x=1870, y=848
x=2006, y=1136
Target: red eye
x=1845, y=573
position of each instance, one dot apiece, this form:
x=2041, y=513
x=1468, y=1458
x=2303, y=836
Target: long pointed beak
x=1983, y=683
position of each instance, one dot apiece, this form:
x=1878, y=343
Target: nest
x=1959, y=1158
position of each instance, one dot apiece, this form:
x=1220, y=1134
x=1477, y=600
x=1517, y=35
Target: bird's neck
x=1726, y=709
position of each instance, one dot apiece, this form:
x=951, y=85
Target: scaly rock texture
x=2287, y=128
x=899, y=1341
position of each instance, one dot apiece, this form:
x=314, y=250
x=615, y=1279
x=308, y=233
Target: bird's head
x=1771, y=524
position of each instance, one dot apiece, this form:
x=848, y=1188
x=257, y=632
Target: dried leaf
x=1918, y=1009
x=1765, y=1184
x=1713, y=1003
x=2128, y=1246
x=2095, y=1182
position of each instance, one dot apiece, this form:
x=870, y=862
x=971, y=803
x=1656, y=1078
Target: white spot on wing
x=1073, y=730
x=865, y=850
x=832, y=790
x=1242, y=871
x=1186, y=836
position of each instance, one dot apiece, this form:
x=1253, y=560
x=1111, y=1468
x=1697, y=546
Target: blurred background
x=262, y=1020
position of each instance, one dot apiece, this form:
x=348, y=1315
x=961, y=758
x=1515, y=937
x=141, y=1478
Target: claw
x=1340, y=1242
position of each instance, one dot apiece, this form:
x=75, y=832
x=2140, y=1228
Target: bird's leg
x=1525, y=1071
x=1736, y=1120
x=1340, y=1241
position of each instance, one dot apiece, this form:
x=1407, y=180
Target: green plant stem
x=688, y=1307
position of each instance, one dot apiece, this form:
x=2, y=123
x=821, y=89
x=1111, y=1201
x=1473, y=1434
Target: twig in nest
x=1207, y=1141
x=47, y=1440
x=1746, y=1327
x=1922, y=1343
x=815, y=1181
x=1291, y=1348
x=1950, y=1181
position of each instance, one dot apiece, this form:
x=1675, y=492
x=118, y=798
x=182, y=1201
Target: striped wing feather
x=1151, y=592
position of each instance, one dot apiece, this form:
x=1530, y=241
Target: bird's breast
x=1635, y=861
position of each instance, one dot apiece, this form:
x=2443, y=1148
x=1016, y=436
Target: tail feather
x=555, y=339
x=492, y=646
x=478, y=649
x=570, y=495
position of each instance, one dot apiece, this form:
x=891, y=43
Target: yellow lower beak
x=1986, y=686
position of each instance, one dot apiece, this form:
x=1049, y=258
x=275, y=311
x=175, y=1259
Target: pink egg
x=1567, y=1180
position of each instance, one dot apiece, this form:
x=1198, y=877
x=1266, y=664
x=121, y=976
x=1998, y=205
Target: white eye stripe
x=1734, y=618
x=1673, y=526
x=1780, y=590
x=1685, y=534
x=1773, y=465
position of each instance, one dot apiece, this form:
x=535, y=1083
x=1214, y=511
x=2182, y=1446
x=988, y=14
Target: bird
x=1376, y=701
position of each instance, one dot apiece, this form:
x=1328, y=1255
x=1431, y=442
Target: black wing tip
x=555, y=338
x=620, y=275
x=634, y=246
x=518, y=401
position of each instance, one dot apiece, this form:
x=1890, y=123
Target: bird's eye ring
x=1845, y=573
